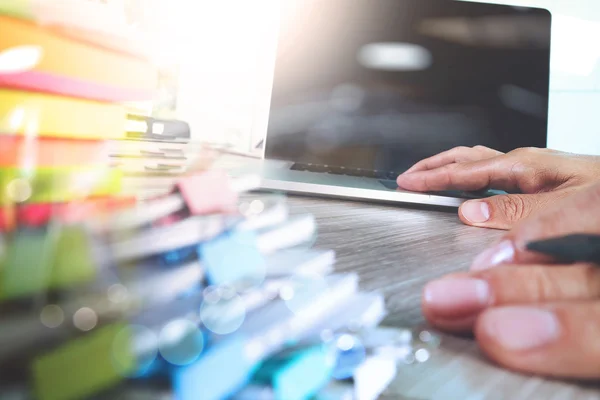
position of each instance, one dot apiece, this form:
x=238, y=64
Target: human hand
x=534, y=317
x=538, y=177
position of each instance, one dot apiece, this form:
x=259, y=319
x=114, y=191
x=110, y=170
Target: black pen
x=570, y=249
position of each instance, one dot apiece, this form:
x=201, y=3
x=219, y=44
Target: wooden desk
x=396, y=251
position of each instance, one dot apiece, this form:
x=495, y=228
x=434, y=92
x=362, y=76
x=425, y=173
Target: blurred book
x=99, y=23
x=32, y=58
x=38, y=114
x=52, y=185
x=68, y=213
x=27, y=152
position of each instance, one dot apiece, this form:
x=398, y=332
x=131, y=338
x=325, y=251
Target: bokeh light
x=19, y=190
x=425, y=336
x=408, y=359
x=180, y=342
x=143, y=344
x=223, y=310
x=301, y=290
x=85, y=319
x=256, y=207
x=52, y=316
x=350, y=353
x=430, y=339
x=345, y=342
x=117, y=293
x=422, y=355
x=327, y=335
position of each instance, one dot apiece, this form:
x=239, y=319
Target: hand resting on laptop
x=534, y=178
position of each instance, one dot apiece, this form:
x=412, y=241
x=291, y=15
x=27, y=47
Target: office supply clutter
x=245, y=308
x=63, y=94
x=207, y=291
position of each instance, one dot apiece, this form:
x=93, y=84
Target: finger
x=559, y=340
x=455, y=155
x=455, y=302
x=504, y=211
x=519, y=171
x=575, y=211
x=497, y=172
x=461, y=326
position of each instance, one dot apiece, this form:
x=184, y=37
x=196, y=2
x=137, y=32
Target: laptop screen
x=382, y=84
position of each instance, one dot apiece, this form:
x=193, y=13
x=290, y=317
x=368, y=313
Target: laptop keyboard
x=358, y=172
x=387, y=179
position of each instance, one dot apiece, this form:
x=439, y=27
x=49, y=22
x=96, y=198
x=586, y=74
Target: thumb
x=501, y=212
x=555, y=214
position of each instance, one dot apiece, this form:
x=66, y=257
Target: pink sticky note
x=208, y=192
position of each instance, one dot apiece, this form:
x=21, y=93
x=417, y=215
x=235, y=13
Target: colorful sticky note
x=85, y=366
x=233, y=257
x=297, y=376
x=39, y=260
x=219, y=373
x=208, y=192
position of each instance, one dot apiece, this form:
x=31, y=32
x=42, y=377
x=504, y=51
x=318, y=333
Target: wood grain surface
x=396, y=250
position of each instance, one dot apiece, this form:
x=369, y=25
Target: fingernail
x=476, y=212
x=501, y=253
x=521, y=328
x=456, y=297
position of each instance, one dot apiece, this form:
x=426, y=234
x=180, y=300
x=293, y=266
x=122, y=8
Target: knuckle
x=512, y=284
x=481, y=148
x=533, y=150
x=525, y=174
x=519, y=151
x=460, y=149
x=514, y=208
x=525, y=151
x=545, y=287
x=447, y=173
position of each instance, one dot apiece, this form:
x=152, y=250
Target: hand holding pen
x=549, y=235
x=533, y=299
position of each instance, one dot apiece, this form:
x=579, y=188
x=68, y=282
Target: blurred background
x=215, y=85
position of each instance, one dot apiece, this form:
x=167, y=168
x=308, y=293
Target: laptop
x=363, y=89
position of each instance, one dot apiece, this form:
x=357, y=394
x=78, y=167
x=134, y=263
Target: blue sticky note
x=220, y=372
x=298, y=376
x=233, y=257
x=347, y=361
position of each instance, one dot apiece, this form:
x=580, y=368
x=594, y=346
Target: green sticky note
x=39, y=260
x=95, y=362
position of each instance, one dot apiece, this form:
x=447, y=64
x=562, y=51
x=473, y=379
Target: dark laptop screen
x=381, y=84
